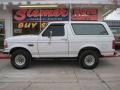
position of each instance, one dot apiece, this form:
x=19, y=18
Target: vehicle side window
x=57, y=30
x=89, y=29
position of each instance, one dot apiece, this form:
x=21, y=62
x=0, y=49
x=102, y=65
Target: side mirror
x=50, y=34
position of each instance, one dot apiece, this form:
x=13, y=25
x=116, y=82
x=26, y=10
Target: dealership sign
x=27, y=21
x=84, y=14
x=59, y=14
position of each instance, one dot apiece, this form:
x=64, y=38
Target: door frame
x=47, y=41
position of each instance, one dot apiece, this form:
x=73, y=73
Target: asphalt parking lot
x=61, y=75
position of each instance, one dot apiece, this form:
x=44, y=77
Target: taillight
x=113, y=44
x=5, y=44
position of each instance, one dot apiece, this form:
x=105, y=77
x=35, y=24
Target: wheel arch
x=19, y=48
x=90, y=48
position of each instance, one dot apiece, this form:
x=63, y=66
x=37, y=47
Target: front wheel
x=89, y=59
x=20, y=59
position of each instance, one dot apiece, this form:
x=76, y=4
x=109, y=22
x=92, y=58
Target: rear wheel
x=20, y=59
x=89, y=59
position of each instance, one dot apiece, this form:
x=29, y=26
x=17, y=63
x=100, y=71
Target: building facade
x=19, y=17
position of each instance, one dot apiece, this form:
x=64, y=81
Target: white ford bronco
x=88, y=41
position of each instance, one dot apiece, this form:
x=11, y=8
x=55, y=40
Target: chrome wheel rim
x=89, y=60
x=20, y=60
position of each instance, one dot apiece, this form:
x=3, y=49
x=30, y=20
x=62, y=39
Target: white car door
x=53, y=41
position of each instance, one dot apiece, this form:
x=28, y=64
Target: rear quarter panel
x=102, y=42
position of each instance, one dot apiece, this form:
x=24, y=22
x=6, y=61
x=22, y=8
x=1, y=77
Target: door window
x=57, y=30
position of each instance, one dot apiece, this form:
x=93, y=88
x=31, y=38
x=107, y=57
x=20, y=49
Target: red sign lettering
x=30, y=14
x=84, y=14
x=20, y=14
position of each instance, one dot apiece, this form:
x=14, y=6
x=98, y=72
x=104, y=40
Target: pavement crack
x=102, y=81
x=77, y=80
x=26, y=88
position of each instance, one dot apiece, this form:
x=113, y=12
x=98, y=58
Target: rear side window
x=89, y=29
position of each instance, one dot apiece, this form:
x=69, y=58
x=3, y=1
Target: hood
x=22, y=38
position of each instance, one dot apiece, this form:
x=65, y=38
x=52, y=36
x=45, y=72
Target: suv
x=85, y=40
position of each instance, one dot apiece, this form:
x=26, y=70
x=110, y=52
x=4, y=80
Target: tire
x=20, y=59
x=89, y=59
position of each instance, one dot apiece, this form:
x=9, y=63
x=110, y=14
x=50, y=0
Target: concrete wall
x=7, y=16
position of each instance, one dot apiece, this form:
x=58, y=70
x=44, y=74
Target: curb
x=4, y=56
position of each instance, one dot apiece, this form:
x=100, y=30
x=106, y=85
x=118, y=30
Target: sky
x=115, y=15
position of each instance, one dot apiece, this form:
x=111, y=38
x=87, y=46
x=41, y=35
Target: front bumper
x=6, y=51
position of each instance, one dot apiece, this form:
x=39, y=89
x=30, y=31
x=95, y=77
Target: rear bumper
x=114, y=54
x=117, y=53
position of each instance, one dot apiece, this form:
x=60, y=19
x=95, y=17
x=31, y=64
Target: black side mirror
x=50, y=34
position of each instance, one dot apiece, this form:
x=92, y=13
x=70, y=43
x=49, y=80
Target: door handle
x=30, y=45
